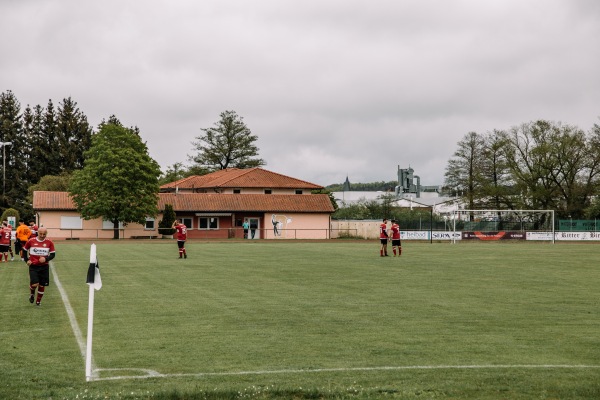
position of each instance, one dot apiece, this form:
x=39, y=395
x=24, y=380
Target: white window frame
x=208, y=223
x=109, y=225
x=70, y=222
x=149, y=219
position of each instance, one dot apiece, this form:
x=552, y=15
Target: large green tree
x=228, y=144
x=463, y=173
x=13, y=153
x=554, y=166
x=119, y=180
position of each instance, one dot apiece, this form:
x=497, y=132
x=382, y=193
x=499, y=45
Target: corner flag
x=93, y=274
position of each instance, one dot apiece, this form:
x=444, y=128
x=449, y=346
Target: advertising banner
x=424, y=235
x=493, y=235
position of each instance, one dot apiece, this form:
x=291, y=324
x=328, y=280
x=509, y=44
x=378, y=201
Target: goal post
x=538, y=222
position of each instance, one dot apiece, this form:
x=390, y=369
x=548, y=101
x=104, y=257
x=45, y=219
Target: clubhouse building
x=212, y=206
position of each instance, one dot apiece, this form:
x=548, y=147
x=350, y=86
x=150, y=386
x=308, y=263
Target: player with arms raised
x=38, y=252
x=181, y=237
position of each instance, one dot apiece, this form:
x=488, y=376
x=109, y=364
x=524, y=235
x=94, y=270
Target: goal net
x=504, y=224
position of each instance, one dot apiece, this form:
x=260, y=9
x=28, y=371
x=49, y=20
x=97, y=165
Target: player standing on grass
x=23, y=234
x=38, y=252
x=383, y=238
x=396, y=244
x=5, y=238
x=10, y=250
x=181, y=237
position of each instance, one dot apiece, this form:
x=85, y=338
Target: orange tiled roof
x=209, y=202
x=241, y=178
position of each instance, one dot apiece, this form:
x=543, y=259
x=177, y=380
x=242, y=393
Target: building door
x=254, y=227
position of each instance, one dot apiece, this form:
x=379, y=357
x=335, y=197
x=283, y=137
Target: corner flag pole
x=95, y=283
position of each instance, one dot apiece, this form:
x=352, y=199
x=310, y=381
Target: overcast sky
x=332, y=88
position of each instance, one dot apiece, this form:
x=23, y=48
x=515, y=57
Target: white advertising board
x=574, y=236
x=424, y=235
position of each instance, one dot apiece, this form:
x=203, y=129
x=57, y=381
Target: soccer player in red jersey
x=5, y=237
x=396, y=244
x=181, y=237
x=33, y=228
x=38, y=252
x=383, y=238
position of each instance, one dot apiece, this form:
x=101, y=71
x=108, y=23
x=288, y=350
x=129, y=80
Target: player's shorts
x=4, y=248
x=396, y=242
x=39, y=274
x=383, y=241
x=181, y=244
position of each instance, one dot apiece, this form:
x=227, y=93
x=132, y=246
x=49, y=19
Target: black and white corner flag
x=93, y=275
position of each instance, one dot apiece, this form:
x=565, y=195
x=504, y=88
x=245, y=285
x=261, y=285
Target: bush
x=10, y=212
x=165, y=225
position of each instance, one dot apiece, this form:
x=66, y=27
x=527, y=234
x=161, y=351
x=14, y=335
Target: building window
x=208, y=223
x=71, y=223
x=187, y=222
x=149, y=226
x=268, y=191
x=110, y=225
x=298, y=191
x=237, y=191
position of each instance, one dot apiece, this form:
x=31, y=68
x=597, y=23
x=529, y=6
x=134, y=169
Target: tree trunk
x=116, y=229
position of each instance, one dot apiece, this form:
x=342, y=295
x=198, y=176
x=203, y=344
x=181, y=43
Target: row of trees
x=536, y=165
x=38, y=142
x=108, y=173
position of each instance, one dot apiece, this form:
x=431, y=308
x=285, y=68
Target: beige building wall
x=61, y=225
x=367, y=229
x=296, y=226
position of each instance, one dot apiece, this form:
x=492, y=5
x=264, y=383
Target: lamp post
x=3, y=145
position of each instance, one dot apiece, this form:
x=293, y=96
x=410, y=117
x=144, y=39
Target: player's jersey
x=395, y=231
x=5, y=236
x=383, y=231
x=39, y=249
x=23, y=233
x=33, y=230
x=181, y=232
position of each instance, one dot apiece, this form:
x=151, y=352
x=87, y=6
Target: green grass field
x=294, y=320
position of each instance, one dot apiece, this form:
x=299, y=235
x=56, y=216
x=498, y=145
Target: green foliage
x=51, y=183
x=10, y=212
x=119, y=181
x=44, y=141
x=229, y=144
x=536, y=165
x=165, y=225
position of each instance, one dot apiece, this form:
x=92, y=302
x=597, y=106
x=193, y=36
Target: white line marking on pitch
x=70, y=313
x=154, y=374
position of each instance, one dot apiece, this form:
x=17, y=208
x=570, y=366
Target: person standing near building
x=5, y=238
x=181, y=233
x=23, y=234
x=396, y=244
x=246, y=226
x=383, y=238
x=38, y=252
